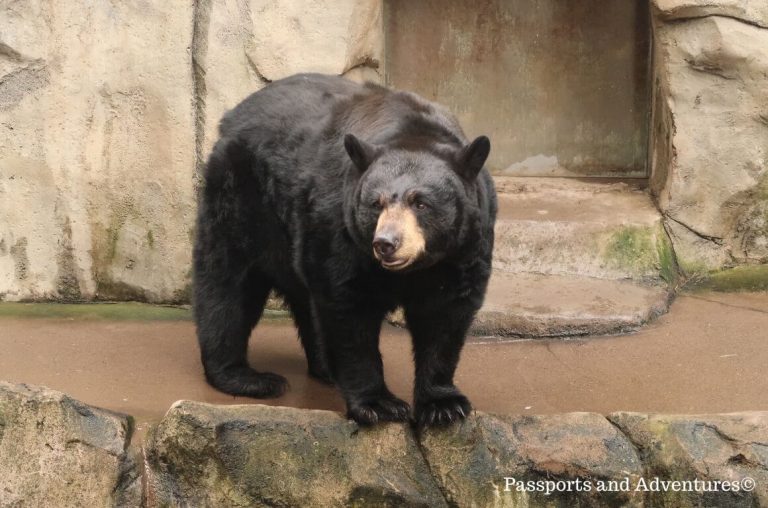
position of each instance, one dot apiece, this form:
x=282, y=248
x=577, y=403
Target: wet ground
x=709, y=354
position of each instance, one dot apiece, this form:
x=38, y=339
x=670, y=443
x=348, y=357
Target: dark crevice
x=714, y=239
x=416, y=435
x=256, y=70
x=672, y=18
x=713, y=70
x=680, y=276
x=639, y=450
x=199, y=48
x=364, y=62
x=11, y=54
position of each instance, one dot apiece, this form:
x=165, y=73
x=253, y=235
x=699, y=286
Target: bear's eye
x=420, y=205
x=376, y=205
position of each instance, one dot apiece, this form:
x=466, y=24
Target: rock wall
x=709, y=150
x=107, y=111
x=59, y=452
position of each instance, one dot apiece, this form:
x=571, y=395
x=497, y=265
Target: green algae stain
x=96, y=311
x=740, y=278
x=106, y=311
x=668, y=264
x=631, y=246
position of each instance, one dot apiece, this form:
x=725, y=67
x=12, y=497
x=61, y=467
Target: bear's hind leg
x=225, y=315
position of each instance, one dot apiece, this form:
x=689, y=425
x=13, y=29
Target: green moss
x=150, y=239
x=129, y=311
x=631, y=246
x=668, y=267
x=741, y=278
x=692, y=268
x=95, y=311
x=108, y=289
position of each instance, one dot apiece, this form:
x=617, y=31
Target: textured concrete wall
x=560, y=87
x=107, y=111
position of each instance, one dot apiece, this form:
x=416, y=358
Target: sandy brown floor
x=709, y=354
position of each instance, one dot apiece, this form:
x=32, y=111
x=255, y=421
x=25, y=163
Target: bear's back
x=332, y=106
x=302, y=99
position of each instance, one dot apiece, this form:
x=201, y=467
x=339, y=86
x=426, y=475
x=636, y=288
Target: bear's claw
x=387, y=408
x=444, y=411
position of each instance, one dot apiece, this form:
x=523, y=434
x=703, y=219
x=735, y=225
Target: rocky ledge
x=56, y=451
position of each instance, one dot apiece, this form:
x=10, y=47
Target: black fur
x=284, y=207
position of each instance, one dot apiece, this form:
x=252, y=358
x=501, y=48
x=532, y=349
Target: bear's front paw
x=371, y=410
x=442, y=411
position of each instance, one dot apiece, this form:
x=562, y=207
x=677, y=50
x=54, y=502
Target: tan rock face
x=107, y=112
x=55, y=451
x=96, y=151
x=710, y=149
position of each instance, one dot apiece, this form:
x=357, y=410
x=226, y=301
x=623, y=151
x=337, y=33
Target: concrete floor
x=709, y=354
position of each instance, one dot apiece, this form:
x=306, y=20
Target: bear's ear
x=361, y=153
x=471, y=158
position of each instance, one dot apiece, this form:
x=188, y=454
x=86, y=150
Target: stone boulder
x=205, y=455
x=56, y=451
x=725, y=447
x=474, y=460
x=709, y=153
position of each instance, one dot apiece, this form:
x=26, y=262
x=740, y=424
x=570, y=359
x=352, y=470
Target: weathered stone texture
x=56, y=451
x=107, y=109
x=471, y=460
x=750, y=11
x=729, y=447
x=204, y=455
x=96, y=149
x=710, y=148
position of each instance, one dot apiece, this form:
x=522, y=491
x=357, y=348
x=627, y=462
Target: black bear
x=348, y=200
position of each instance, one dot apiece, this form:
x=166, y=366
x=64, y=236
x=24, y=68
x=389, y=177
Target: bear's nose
x=385, y=245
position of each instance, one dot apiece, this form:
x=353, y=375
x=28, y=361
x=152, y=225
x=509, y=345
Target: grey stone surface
x=204, y=455
x=472, y=460
x=560, y=226
x=535, y=305
x=56, y=451
x=725, y=447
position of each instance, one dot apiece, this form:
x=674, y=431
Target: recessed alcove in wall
x=560, y=86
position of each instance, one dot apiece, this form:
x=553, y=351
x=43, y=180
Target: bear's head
x=412, y=207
